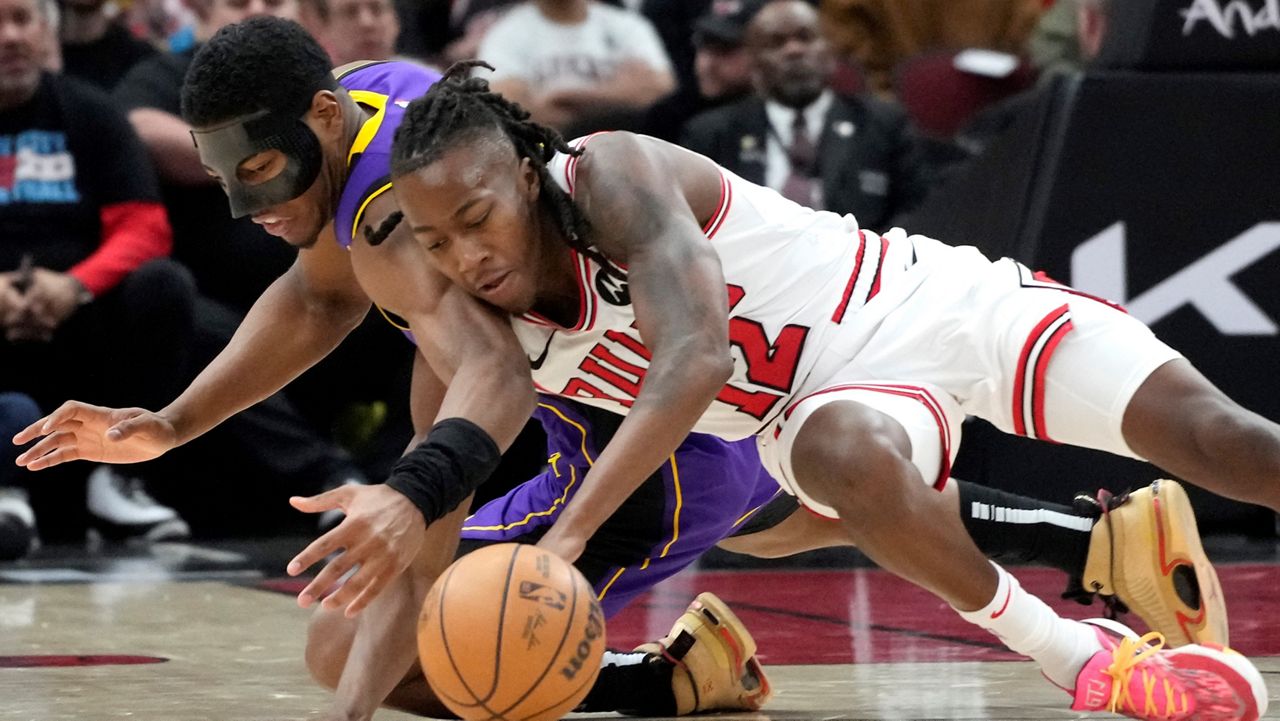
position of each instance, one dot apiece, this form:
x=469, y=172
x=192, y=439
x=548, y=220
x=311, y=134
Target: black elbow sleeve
x=443, y=470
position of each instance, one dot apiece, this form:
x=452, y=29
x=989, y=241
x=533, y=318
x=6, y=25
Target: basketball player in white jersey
x=851, y=357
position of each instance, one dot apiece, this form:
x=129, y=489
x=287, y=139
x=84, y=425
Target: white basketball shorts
x=976, y=337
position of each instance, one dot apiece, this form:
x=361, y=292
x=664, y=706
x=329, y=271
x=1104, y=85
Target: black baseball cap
x=726, y=21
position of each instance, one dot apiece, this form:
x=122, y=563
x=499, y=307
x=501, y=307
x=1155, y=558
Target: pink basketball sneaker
x=1137, y=677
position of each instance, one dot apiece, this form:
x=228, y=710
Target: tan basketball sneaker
x=714, y=657
x=1145, y=550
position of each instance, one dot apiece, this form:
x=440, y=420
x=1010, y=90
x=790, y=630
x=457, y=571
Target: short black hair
x=459, y=108
x=263, y=63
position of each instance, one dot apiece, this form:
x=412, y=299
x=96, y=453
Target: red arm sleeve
x=132, y=233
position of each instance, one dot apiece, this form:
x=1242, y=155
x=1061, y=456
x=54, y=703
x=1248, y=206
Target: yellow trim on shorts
x=573, y=478
x=752, y=512
x=583, y=431
x=675, y=517
x=675, y=530
x=607, y=586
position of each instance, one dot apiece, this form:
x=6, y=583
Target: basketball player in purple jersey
x=334, y=166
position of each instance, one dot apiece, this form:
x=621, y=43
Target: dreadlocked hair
x=460, y=108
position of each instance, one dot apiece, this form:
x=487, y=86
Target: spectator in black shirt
x=720, y=69
x=96, y=47
x=82, y=269
x=674, y=20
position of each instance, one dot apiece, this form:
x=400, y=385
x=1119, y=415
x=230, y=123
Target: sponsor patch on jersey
x=612, y=289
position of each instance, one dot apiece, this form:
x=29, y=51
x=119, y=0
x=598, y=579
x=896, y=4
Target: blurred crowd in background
x=122, y=272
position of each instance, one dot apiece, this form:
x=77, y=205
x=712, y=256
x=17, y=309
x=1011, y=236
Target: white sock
x=1028, y=626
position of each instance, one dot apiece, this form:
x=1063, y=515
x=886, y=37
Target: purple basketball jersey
x=387, y=87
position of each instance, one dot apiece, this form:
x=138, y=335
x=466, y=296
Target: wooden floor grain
x=235, y=654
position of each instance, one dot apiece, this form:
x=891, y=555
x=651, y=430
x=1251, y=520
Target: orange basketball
x=511, y=633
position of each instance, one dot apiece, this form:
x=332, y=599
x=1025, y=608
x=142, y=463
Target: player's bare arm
x=298, y=321
x=383, y=650
x=634, y=84
x=168, y=140
x=644, y=220
x=472, y=349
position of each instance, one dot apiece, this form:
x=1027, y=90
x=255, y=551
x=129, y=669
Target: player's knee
x=327, y=647
x=851, y=457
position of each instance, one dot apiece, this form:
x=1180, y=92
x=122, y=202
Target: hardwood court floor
x=839, y=644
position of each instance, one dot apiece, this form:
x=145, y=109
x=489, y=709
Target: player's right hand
x=81, y=432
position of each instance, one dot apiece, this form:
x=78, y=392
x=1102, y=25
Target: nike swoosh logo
x=537, y=364
x=1007, y=597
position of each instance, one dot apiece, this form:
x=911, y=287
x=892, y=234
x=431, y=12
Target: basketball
x=511, y=632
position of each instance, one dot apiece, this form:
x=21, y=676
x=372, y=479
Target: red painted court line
x=869, y=616
x=65, y=661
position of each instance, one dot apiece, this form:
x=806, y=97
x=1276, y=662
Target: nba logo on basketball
x=539, y=593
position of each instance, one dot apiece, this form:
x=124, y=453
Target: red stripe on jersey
x=570, y=170
x=875, y=285
x=539, y=319
x=915, y=392
x=1019, y=376
x=601, y=352
x=722, y=210
x=838, y=316
x=593, y=367
x=1042, y=364
x=629, y=343
x=571, y=164
x=579, y=388
x=586, y=302
x=587, y=305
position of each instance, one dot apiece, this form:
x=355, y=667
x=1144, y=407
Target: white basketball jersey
x=795, y=277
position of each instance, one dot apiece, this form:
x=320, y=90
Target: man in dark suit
x=847, y=154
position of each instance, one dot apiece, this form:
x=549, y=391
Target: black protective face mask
x=224, y=147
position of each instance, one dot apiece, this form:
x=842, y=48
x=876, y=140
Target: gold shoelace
x=1129, y=655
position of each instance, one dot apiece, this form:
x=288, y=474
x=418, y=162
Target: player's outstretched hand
x=381, y=534
x=78, y=431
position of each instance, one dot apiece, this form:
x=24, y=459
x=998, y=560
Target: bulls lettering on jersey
x=794, y=276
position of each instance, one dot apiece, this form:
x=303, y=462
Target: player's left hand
x=382, y=533
x=563, y=541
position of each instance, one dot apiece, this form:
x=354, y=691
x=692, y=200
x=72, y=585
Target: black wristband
x=443, y=470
